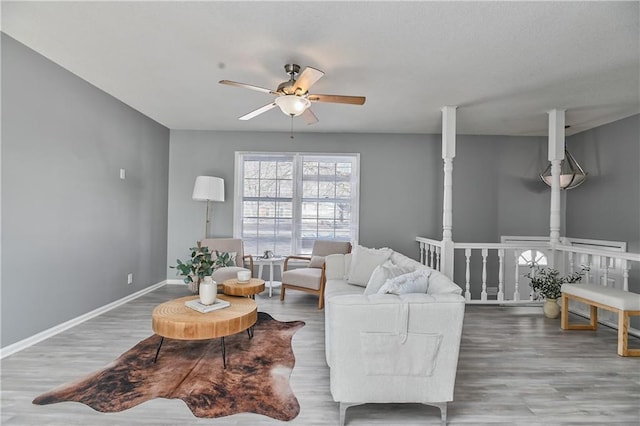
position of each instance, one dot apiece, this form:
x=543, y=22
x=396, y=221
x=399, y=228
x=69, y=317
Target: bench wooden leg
x=564, y=323
x=623, y=336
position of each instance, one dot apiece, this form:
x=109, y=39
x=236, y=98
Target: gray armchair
x=228, y=245
x=311, y=279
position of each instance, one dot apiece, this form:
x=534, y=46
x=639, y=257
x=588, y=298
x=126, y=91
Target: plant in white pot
x=196, y=268
x=546, y=284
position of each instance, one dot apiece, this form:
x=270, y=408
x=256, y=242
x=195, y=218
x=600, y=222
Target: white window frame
x=297, y=197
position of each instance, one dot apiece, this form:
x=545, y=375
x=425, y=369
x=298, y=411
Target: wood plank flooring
x=516, y=368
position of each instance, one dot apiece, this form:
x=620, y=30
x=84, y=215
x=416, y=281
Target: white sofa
x=387, y=348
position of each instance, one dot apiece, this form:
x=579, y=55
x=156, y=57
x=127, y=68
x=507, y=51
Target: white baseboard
x=30, y=341
x=175, y=282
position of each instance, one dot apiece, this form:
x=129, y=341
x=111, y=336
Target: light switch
x=122, y=174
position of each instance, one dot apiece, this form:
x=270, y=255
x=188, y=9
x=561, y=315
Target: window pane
x=310, y=168
x=268, y=169
x=268, y=188
x=251, y=187
x=285, y=170
x=267, y=209
x=326, y=210
x=309, y=209
x=309, y=189
x=343, y=169
x=249, y=228
x=285, y=189
x=343, y=190
x=252, y=169
x=327, y=169
x=327, y=190
x=284, y=210
x=250, y=209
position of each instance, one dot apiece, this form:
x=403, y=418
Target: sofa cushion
x=303, y=277
x=440, y=284
x=413, y=282
x=381, y=274
x=363, y=261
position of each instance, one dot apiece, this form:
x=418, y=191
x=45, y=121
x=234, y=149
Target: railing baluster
x=501, y=274
x=422, y=253
x=625, y=275
x=483, y=295
x=467, y=255
x=516, y=291
x=589, y=275
x=433, y=257
x=437, y=267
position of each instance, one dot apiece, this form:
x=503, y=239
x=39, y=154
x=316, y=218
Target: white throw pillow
x=363, y=261
x=381, y=274
x=413, y=282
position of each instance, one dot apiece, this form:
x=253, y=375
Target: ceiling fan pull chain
x=291, y=127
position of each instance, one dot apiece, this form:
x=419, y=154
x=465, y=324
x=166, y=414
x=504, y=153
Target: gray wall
x=400, y=183
x=71, y=229
x=496, y=189
x=607, y=205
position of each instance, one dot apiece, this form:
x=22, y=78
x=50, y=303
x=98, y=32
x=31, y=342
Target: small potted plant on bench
x=546, y=284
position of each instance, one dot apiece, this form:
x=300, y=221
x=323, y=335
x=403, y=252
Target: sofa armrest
x=335, y=266
x=388, y=348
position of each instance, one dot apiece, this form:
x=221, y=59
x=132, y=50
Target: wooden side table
x=234, y=287
x=174, y=320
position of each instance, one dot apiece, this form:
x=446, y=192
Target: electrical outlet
x=130, y=279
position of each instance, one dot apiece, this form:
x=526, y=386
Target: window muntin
x=287, y=201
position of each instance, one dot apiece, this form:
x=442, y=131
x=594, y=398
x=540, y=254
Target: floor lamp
x=208, y=188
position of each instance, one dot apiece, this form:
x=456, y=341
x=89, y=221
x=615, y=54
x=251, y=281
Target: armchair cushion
x=228, y=273
x=303, y=277
x=364, y=261
x=316, y=262
x=228, y=245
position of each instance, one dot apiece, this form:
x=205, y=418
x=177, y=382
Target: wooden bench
x=624, y=303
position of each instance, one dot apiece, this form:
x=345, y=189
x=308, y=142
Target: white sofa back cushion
x=363, y=261
x=381, y=274
x=413, y=282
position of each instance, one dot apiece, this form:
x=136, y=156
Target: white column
x=448, y=153
x=556, y=155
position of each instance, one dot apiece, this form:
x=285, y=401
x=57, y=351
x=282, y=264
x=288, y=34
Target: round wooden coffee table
x=174, y=320
x=234, y=287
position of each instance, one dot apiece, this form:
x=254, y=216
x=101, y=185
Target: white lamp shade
x=208, y=188
x=292, y=105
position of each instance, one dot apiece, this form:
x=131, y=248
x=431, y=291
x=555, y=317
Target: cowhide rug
x=256, y=379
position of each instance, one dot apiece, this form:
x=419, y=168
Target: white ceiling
x=504, y=64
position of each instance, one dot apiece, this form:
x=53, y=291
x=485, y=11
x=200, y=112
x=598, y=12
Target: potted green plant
x=546, y=284
x=196, y=268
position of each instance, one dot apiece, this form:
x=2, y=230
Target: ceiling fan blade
x=338, y=99
x=307, y=78
x=309, y=117
x=248, y=86
x=258, y=111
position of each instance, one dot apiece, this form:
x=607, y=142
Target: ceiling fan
x=293, y=96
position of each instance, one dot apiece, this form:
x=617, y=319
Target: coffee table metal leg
x=250, y=332
x=158, y=350
x=224, y=357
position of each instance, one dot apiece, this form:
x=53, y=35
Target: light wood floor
x=516, y=368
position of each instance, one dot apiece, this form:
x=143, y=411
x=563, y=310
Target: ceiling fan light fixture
x=292, y=105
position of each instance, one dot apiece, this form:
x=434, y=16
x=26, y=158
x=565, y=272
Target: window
x=284, y=202
x=532, y=258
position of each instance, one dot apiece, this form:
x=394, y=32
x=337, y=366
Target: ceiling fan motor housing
x=288, y=87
